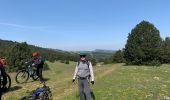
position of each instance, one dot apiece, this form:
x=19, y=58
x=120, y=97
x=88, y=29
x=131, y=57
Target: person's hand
x=73, y=80
x=92, y=82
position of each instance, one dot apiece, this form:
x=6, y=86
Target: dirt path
x=107, y=72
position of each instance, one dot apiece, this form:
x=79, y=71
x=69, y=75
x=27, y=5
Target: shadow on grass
x=14, y=88
x=46, y=79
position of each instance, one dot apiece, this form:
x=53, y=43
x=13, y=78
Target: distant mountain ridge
x=105, y=51
x=6, y=45
x=100, y=53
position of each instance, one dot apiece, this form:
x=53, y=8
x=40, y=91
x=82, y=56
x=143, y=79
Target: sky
x=79, y=24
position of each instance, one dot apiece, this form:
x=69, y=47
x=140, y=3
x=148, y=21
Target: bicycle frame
x=29, y=68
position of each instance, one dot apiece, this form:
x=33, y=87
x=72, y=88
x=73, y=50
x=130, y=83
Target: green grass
x=112, y=82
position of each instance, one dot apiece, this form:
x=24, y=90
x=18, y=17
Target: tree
x=67, y=62
x=118, y=57
x=107, y=61
x=143, y=45
x=92, y=58
x=94, y=61
x=18, y=55
x=166, y=51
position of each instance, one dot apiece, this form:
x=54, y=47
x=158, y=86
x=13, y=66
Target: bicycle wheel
x=1, y=81
x=34, y=76
x=8, y=82
x=8, y=85
x=28, y=98
x=22, y=76
x=44, y=96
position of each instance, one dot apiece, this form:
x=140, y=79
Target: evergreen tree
x=118, y=57
x=67, y=60
x=94, y=61
x=166, y=51
x=143, y=45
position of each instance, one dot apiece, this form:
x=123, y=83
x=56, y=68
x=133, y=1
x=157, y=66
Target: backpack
x=42, y=60
x=42, y=93
x=87, y=62
x=39, y=61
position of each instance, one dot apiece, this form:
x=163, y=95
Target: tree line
x=17, y=54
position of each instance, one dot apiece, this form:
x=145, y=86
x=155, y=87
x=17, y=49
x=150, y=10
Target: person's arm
x=91, y=72
x=75, y=73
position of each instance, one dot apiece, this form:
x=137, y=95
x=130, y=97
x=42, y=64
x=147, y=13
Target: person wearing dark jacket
x=3, y=73
x=39, y=62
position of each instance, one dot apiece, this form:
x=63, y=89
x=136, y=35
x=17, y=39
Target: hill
x=55, y=54
x=102, y=54
x=99, y=53
x=47, y=53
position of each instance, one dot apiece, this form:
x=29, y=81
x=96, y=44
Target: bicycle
x=24, y=74
x=8, y=84
x=41, y=93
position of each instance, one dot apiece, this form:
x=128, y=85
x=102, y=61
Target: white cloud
x=22, y=26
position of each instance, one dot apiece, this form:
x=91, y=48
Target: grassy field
x=112, y=82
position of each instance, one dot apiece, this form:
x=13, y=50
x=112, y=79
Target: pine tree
x=118, y=57
x=166, y=51
x=143, y=45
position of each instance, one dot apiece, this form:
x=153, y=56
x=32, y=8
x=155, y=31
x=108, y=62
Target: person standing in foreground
x=84, y=72
x=39, y=62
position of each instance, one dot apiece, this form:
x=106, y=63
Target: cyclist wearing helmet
x=84, y=72
x=3, y=73
x=39, y=62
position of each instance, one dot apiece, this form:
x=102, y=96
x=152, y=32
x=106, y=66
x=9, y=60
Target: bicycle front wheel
x=22, y=76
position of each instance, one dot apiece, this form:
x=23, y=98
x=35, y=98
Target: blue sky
x=79, y=24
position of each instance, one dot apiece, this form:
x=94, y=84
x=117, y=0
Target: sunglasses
x=82, y=56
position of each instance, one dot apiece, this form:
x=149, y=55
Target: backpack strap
x=87, y=62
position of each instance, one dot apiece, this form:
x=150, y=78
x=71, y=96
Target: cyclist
x=3, y=73
x=84, y=74
x=39, y=62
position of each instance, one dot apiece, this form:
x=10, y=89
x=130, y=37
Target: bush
x=67, y=62
x=118, y=57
